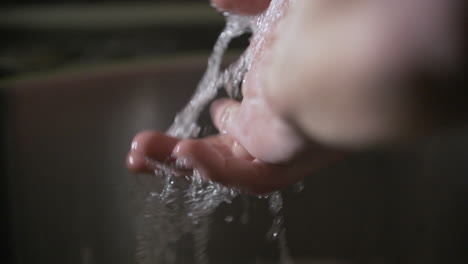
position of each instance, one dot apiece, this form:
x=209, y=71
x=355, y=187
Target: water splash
x=180, y=201
x=185, y=125
x=277, y=231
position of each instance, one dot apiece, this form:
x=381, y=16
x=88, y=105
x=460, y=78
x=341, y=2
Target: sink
x=71, y=198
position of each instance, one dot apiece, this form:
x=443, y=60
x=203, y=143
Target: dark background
x=27, y=49
x=31, y=42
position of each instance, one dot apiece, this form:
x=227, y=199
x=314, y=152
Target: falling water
x=176, y=206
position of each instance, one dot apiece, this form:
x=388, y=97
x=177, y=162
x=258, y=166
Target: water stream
x=177, y=206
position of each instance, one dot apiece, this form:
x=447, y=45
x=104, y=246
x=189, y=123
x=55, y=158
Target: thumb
x=224, y=113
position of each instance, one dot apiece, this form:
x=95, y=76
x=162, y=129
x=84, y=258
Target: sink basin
x=70, y=196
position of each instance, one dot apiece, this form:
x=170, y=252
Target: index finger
x=242, y=7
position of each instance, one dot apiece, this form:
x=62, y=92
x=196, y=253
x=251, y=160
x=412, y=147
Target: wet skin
x=256, y=150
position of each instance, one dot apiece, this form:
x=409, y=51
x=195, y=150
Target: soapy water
x=179, y=201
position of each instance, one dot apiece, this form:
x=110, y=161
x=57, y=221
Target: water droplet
x=272, y=234
x=229, y=219
x=299, y=187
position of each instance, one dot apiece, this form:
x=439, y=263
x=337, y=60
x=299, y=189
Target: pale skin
x=300, y=107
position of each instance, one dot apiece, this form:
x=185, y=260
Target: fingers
x=149, y=144
x=225, y=116
x=211, y=160
x=224, y=113
x=215, y=157
x=200, y=155
x=242, y=7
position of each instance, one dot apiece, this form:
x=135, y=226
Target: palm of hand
x=256, y=150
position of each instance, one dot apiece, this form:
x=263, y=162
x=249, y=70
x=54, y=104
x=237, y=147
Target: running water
x=176, y=206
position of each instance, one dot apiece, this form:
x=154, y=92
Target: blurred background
x=44, y=35
x=79, y=78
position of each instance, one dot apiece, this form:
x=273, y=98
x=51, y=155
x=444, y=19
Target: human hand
x=336, y=73
x=359, y=74
x=356, y=74
x=256, y=149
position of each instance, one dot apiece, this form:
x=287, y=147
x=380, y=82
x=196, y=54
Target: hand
x=359, y=74
x=356, y=74
x=256, y=150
